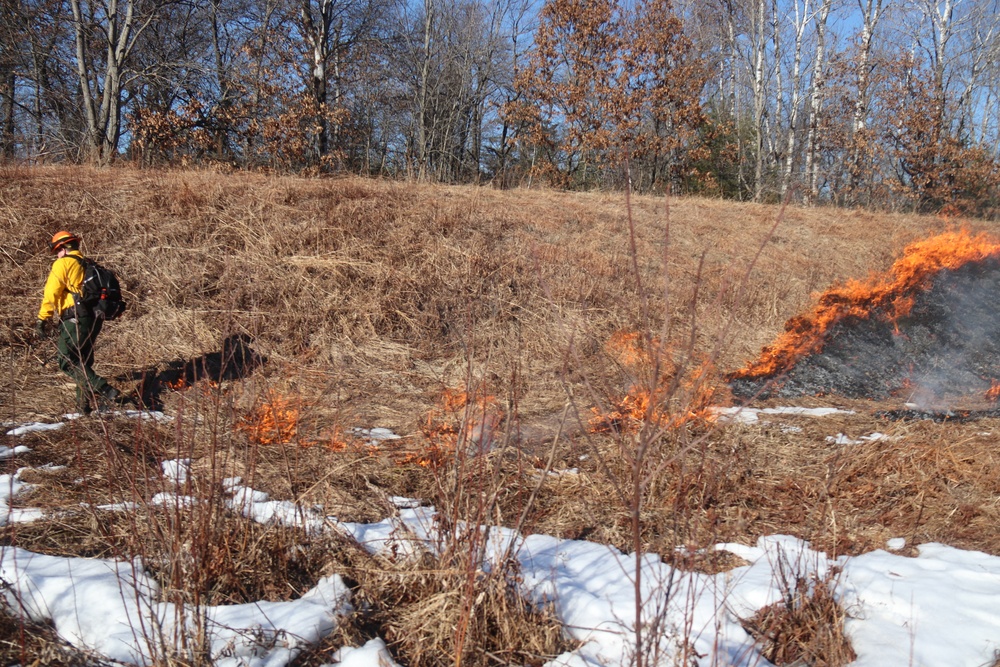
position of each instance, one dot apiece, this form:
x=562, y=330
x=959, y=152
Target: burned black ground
x=948, y=345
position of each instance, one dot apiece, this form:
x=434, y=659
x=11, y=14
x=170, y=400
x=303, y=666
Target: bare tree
x=10, y=37
x=723, y=31
x=871, y=14
x=111, y=26
x=816, y=100
x=982, y=37
x=453, y=56
x=331, y=29
x=227, y=40
x=759, y=50
x=801, y=18
x=423, y=90
x=513, y=21
x=45, y=118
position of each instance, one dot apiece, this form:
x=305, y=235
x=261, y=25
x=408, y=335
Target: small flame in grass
x=333, y=439
x=626, y=414
x=177, y=385
x=993, y=393
x=279, y=421
x=272, y=423
x=666, y=393
x=459, y=418
x=181, y=383
x=890, y=296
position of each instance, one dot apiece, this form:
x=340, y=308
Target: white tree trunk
x=802, y=18
x=816, y=101
x=871, y=12
x=759, y=96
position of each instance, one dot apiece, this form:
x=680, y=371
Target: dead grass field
x=370, y=300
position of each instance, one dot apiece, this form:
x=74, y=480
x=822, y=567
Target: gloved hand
x=40, y=329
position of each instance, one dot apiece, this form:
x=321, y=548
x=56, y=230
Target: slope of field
x=279, y=321
x=364, y=280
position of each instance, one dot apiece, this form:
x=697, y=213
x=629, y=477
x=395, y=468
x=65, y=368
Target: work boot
x=111, y=396
x=84, y=406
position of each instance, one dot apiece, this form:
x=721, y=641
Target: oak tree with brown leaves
x=607, y=83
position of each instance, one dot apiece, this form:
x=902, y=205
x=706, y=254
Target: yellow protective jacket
x=65, y=279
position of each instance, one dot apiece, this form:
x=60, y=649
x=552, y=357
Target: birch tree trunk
x=981, y=52
x=779, y=92
x=733, y=97
x=942, y=30
x=801, y=21
x=759, y=97
x=871, y=12
x=316, y=31
x=816, y=101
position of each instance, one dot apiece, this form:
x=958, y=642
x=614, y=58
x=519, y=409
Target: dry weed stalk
x=190, y=540
x=469, y=493
x=26, y=643
x=422, y=600
x=807, y=625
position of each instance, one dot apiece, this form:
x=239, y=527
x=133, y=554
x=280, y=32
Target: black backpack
x=101, y=291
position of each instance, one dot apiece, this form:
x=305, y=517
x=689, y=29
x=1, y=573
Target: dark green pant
x=76, y=357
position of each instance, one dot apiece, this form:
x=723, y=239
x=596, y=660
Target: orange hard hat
x=59, y=239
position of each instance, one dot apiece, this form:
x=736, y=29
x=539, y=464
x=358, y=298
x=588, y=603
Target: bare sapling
x=662, y=420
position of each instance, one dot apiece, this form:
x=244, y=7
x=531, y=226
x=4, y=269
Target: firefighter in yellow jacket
x=78, y=328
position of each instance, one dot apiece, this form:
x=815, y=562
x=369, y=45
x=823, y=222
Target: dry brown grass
x=370, y=299
x=806, y=627
x=26, y=643
x=438, y=609
x=361, y=282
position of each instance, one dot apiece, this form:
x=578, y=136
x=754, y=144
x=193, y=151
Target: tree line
x=876, y=103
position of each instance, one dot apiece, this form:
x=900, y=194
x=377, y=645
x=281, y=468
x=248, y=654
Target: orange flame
x=272, y=423
x=278, y=421
x=890, y=296
x=667, y=394
x=630, y=350
x=338, y=443
x=993, y=393
x=178, y=384
x=459, y=418
x=181, y=384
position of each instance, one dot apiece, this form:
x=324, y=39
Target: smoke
x=946, y=347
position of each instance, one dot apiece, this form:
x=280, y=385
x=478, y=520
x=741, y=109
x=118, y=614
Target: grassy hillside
x=394, y=289
x=376, y=303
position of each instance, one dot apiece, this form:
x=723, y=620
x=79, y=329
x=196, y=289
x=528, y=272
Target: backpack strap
x=78, y=296
x=82, y=260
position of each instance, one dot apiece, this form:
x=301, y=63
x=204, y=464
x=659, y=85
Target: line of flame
x=890, y=296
